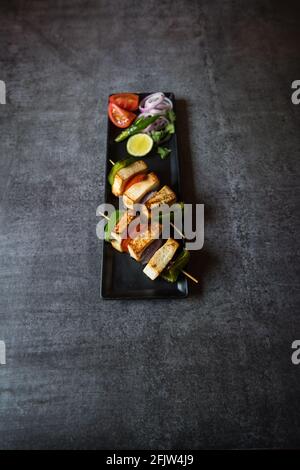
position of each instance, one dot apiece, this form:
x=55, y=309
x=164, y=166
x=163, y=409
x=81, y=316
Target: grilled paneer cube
x=137, y=191
x=161, y=258
x=122, y=225
x=137, y=246
x=125, y=174
x=164, y=196
x=117, y=245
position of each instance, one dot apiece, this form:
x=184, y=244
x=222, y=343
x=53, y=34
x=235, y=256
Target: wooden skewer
x=110, y=161
x=103, y=215
x=190, y=276
x=177, y=230
x=183, y=272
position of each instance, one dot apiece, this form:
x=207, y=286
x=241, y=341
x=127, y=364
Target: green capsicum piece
x=171, y=274
x=117, y=167
x=113, y=220
x=138, y=125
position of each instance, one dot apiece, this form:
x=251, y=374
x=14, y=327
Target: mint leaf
x=170, y=128
x=157, y=136
x=163, y=152
x=171, y=115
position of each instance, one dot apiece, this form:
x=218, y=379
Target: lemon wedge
x=139, y=145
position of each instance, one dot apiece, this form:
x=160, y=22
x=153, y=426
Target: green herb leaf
x=170, y=128
x=171, y=115
x=163, y=152
x=157, y=136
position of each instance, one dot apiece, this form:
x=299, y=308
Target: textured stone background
x=211, y=371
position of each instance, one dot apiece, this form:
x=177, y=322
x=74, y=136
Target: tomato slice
x=125, y=243
x=120, y=117
x=139, y=229
x=135, y=179
x=128, y=101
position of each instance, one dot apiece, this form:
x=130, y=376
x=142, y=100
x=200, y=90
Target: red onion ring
x=165, y=104
x=152, y=112
x=157, y=125
x=151, y=101
x=148, y=195
x=150, y=250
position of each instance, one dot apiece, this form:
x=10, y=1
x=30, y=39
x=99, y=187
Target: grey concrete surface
x=215, y=370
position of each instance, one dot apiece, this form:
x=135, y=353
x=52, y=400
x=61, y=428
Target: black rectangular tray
x=122, y=276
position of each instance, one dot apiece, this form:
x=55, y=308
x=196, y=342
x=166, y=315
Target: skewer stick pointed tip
x=103, y=215
x=190, y=276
